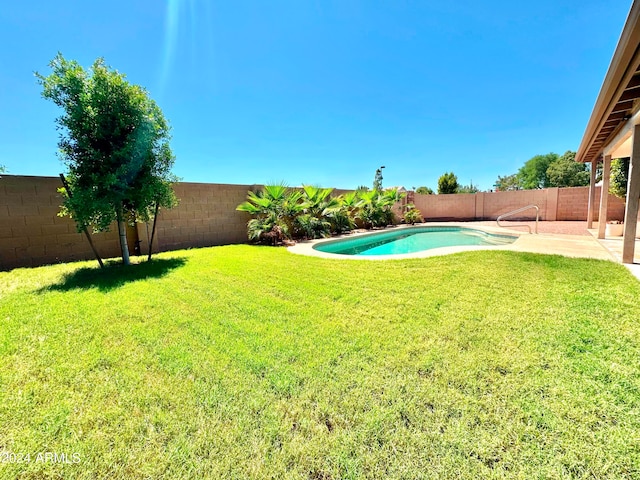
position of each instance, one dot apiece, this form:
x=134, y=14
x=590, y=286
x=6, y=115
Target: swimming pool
x=412, y=240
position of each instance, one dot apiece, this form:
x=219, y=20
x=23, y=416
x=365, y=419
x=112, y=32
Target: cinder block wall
x=554, y=204
x=499, y=203
x=573, y=204
x=205, y=216
x=446, y=207
x=32, y=234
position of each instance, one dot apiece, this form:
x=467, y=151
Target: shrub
x=412, y=215
x=274, y=208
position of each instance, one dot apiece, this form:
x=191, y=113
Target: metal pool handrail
x=508, y=214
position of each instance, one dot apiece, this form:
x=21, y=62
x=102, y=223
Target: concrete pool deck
x=570, y=239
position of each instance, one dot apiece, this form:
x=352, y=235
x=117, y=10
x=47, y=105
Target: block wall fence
x=32, y=234
x=554, y=203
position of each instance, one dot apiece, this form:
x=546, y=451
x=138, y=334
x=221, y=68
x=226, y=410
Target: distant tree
x=471, y=188
x=566, y=172
x=448, y=183
x=115, y=142
x=533, y=174
x=507, y=183
x=362, y=188
x=424, y=191
x=377, y=180
x=3, y=169
x=619, y=176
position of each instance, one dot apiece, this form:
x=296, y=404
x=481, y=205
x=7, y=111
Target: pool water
x=411, y=240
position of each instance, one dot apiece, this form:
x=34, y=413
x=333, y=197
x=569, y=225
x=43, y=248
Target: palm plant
x=318, y=207
x=274, y=208
x=369, y=211
x=267, y=229
x=375, y=208
x=309, y=226
x=412, y=215
x=388, y=198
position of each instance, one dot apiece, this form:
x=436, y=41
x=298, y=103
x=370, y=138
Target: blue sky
x=323, y=92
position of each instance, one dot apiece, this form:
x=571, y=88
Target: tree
x=424, y=191
x=448, y=183
x=566, y=172
x=471, y=188
x=507, y=183
x=533, y=174
x=115, y=142
x=377, y=180
x=619, y=176
x=3, y=169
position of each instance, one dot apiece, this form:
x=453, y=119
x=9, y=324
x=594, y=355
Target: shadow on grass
x=114, y=275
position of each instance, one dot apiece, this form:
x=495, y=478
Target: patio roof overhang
x=617, y=106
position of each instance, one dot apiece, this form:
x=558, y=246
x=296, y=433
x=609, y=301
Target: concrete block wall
x=460, y=206
x=499, y=203
x=32, y=234
x=205, y=216
x=554, y=203
x=573, y=204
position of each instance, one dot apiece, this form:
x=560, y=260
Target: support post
x=592, y=194
x=633, y=198
x=604, y=196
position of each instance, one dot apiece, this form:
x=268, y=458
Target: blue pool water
x=411, y=240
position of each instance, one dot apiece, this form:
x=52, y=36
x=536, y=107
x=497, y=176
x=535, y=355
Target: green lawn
x=250, y=362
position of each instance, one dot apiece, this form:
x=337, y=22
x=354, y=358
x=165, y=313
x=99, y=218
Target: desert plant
x=318, y=208
x=343, y=220
x=308, y=226
x=412, y=215
x=375, y=208
x=274, y=208
x=267, y=229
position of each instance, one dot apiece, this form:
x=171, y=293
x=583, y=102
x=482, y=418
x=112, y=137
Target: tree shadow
x=114, y=275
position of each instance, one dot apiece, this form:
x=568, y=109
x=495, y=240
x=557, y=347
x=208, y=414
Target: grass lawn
x=250, y=362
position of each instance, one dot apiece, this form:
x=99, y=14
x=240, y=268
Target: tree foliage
x=114, y=141
x=377, y=180
x=507, y=183
x=424, y=191
x=566, y=172
x=471, y=188
x=448, y=183
x=543, y=171
x=533, y=174
x=619, y=176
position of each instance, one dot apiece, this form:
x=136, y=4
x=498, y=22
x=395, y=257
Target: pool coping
x=567, y=245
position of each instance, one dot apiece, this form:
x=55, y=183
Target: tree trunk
x=153, y=230
x=65, y=184
x=122, y=232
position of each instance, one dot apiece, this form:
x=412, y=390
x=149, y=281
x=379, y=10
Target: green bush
x=282, y=213
x=619, y=175
x=412, y=215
